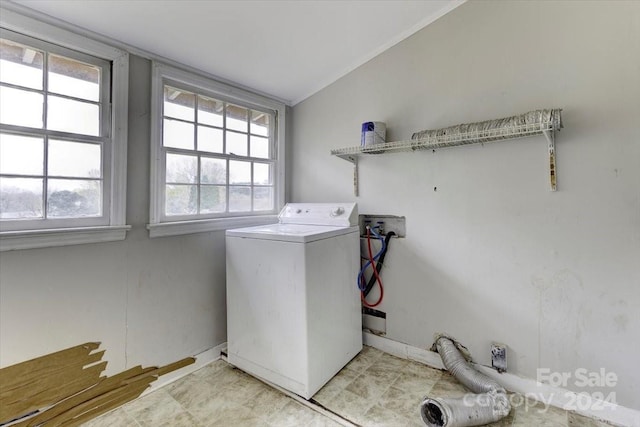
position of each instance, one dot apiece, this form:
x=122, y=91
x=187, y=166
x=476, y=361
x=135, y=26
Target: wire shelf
x=450, y=140
x=545, y=122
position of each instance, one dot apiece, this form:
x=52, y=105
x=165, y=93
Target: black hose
x=372, y=280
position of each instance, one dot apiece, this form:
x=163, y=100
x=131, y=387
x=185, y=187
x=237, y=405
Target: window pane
x=20, y=107
x=261, y=173
x=259, y=123
x=73, y=198
x=209, y=139
x=239, y=199
x=20, y=65
x=259, y=147
x=67, y=115
x=21, y=155
x=262, y=198
x=179, y=104
x=74, y=159
x=20, y=198
x=213, y=171
x=182, y=169
x=236, y=143
x=181, y=199
x=210, y=111
x=73, y=78
x=237, y=117
x=239, y=172
x=213, y=198
x=177, y=134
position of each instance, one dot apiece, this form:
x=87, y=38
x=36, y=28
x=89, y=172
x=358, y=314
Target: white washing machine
x=293, y=307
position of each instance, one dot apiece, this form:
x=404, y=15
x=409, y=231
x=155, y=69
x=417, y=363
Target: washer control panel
x=332, y=214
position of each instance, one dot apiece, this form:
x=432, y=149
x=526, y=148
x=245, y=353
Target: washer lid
x=297, y=233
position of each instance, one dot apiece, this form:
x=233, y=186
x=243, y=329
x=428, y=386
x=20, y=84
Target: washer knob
x=337, y=211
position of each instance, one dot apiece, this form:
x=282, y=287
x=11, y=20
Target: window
x=62, y=146
x=54, y=125
x=218, y=157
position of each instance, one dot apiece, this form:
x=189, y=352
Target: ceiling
x=286, y=49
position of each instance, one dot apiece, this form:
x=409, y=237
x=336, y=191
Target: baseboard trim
x=554, y=396
x=402, y=350
x=202, y=359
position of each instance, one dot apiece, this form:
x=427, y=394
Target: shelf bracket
x=353, y=159
x=356, y=183
x=551, y=139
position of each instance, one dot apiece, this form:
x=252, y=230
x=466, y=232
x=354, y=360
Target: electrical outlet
x=387, y=223
x=499, y=357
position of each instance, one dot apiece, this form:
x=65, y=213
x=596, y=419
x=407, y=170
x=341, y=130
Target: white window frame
x=160, y=225
x=115, y=173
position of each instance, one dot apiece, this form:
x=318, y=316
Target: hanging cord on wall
x=364, y=287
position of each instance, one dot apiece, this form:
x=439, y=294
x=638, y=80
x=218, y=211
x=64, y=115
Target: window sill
x=203, y=225
x=32, y=239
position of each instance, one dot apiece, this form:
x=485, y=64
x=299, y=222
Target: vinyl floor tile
x=350, y=406
x=322, y=421
x=380, y=370
x=371, y=387
x=292, y=414
x=359, y=364
x=338, y=383
x=401, y=402
x=532, y=413
x=392, y=362
x=378, y=416
x=447, y=386
x=154, y=409
x=415, y=384
x=422, y=370
x=188, y=391
x=179, y=419
x=267, y=403
x=577, y=420
x=233, y=415
x=117, y=418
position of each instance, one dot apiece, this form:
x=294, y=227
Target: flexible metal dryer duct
x=489, y=405
x=494, y=130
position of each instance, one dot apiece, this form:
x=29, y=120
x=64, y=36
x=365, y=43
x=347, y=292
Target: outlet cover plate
x=394, y=223
x=499, y=357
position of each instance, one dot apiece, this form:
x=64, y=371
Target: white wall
x=491, y=254
x=149, y=301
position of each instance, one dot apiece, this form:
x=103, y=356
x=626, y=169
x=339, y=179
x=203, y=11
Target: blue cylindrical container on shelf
x=373, y=133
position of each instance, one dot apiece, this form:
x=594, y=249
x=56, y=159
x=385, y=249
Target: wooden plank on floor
x=69, y=386
x=104, y=408
x=176, y=365
x=33, y=378
x=47, y=380
x=19, y=372
x=100, y=401
x=169, y=368
x=55, y=392
x=103, y=386
x=166, y=369
x=54, y=386
x=145, y=378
